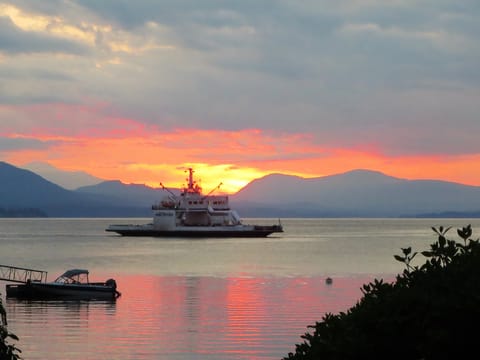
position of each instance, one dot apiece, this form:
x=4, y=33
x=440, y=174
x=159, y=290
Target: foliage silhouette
x=428, y=312
x=7, y=351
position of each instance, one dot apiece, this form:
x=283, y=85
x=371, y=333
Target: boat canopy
x=74, y=272
x=73, y=276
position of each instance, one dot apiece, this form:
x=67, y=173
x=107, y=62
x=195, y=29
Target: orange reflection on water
x=246, y=310
x=196, y=317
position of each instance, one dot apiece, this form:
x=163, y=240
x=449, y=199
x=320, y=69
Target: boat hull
x=196, y=231
x=40, y=291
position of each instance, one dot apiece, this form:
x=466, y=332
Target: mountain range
x=357, y=193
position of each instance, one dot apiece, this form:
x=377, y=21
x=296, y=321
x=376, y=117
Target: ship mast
x=190, y=179
x=192, y=186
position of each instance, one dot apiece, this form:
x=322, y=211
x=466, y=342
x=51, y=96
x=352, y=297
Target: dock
x=21, y=275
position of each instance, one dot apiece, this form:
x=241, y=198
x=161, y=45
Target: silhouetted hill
x=361, y=193
x=21, y=188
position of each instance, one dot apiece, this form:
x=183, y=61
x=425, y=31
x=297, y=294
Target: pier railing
x=21, y=275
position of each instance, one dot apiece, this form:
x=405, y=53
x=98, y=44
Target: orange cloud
x=135, y=153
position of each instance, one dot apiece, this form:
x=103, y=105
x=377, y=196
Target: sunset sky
x=140, y=90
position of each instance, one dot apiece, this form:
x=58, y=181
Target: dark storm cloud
x=280, y=31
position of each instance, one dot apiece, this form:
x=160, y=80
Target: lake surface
x=200, y=298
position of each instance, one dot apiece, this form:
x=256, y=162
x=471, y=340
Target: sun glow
x=222, y=178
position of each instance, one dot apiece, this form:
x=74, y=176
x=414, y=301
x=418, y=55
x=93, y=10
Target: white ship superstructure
x=192, y=213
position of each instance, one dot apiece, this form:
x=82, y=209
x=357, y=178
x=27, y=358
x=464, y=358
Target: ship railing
x=21, y=275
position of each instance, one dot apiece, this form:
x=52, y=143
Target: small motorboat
x=72, y=284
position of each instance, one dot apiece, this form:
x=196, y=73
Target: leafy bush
x=7, y=351
x=429, y=312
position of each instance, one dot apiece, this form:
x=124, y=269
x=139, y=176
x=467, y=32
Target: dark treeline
x=21, y=212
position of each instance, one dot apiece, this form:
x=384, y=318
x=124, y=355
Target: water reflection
x=177, y=317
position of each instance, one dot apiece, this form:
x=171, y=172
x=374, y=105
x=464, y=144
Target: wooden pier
x=21, y=275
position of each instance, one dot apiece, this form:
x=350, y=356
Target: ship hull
x=196, y=231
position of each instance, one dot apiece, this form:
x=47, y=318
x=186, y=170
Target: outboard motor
x=113, y=284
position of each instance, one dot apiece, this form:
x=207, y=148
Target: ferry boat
x=193, y=214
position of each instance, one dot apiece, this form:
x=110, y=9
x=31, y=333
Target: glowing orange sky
x=233, y=158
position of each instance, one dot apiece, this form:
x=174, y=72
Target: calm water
x=200, y=298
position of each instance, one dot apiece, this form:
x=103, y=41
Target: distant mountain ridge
x=357, y=193
x=67, y=179
x=361, y=193
x=138, y=194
